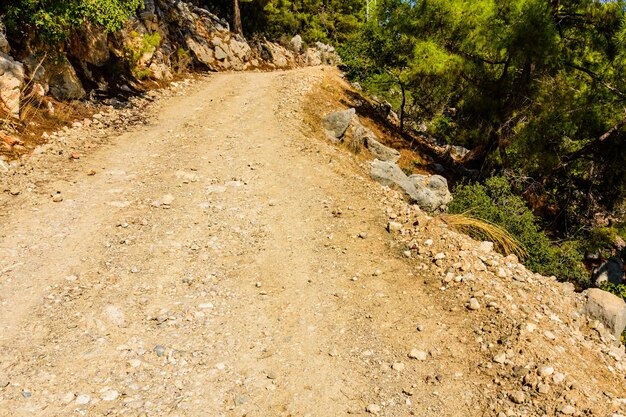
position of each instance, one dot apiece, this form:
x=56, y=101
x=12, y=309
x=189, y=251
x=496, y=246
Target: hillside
x=235, y=262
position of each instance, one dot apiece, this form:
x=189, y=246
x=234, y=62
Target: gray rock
x=433, y=191
x=159, y=350
x=90, y=44
x=36, y=72
x=380, y=151
x=220, y=53
x=337, y=123
x=457, y=153
x=201, y=51
x=296, y=43
x=420, y=355
x=607, y=308
x=390, y=175
x=11, y=82
x=394, y=227
x=612, y=271
x=63, y=81
x=473, y=304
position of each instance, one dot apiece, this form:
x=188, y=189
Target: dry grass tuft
x=482, y=229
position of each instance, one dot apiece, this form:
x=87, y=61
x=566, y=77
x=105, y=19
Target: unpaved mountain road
x=212, y=266
x=202, y=272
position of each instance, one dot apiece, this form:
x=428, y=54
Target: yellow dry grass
x=483, y=229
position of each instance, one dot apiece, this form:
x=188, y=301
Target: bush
x=495, y=202
x=52, y=20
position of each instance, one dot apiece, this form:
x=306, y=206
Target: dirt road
x=225, y=260
x=212, y=266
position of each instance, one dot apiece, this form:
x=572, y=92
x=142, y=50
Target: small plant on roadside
x=139, y=50
x=181, y=61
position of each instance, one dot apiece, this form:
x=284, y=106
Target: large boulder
x=63, y=81
x=296, y=43
x=337, y=123
x=11, y=81
x=428, y=192
x=607, y=308
x=612, y=271
x=201, y=51
x=433, y=190
x=390, y=175
x=380, y=151
x=90, y=44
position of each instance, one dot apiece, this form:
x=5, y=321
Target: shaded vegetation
x=535, y=90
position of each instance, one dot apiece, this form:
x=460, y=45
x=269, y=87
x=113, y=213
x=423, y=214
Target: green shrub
x=140, y=46
x=495, y=202
x=52, y=20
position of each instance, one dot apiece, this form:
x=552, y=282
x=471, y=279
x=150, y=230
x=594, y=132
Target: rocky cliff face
x=164, y=39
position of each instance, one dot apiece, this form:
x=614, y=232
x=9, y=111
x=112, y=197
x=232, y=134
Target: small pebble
x=545, y=371
x=111, y=395
x=420, y=355
x=500, y=358
x=473, y=304
x=373, y=409
x=159, y=350
x=518, y=397
x=568, y=410
x=83, y=399
x=398, y=366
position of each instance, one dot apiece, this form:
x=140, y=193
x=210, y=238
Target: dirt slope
x=212, y=266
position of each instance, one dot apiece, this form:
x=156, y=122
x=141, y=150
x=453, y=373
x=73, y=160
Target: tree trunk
x=402, y=106
x=237, y=18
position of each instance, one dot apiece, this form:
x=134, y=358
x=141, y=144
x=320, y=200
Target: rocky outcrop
x=296, y=43
x=164, y=38
x=429, y=192
x=63, y=80
x=11, y=82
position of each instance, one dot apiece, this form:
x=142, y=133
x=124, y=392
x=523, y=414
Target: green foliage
x=181, y=61
x=534, y=85
x=140, y=47
x=314, y=20
x=495, y=202
x=52, y=20
x=617, y=289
